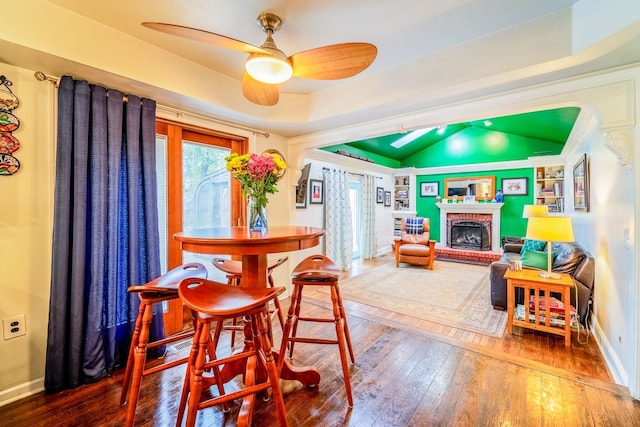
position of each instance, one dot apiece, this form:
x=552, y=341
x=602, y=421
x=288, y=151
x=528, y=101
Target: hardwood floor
x=407, y=373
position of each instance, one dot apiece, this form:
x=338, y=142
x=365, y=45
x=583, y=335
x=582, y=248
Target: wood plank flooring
x=407, y=373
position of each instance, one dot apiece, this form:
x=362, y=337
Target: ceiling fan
x=267, y=66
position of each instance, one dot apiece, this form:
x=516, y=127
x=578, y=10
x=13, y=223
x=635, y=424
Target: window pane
x=206, y=195
x=161, y=172
x=354, y=201
x=206, y=186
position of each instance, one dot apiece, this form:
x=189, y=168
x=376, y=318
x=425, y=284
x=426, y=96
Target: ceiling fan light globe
x=270, y=69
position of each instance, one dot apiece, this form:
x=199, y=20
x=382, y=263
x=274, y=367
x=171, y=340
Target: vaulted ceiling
x=507, y=138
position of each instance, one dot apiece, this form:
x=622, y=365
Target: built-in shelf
x=549, y=188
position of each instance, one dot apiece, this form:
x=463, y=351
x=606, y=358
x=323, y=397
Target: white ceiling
x=430, y=52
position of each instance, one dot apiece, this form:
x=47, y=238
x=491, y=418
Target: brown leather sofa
x=571, y=258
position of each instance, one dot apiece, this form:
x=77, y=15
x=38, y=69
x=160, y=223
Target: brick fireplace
x=476, y=232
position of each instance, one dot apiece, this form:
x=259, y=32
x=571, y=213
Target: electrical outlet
x=14, y=326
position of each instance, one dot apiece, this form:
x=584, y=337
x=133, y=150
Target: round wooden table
x=254, y=247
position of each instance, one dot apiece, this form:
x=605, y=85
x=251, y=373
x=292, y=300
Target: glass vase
x=257, y=216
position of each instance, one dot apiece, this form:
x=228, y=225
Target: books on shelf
x=558, y=188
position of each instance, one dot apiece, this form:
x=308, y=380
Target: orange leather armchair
x=415, y=249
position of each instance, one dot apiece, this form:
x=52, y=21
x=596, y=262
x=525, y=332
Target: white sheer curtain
x=338, y=227
x=368, y=221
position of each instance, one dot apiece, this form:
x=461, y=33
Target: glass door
x=356, y=215
x=195, y=190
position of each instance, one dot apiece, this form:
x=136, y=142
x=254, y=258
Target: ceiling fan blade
x=333, y=62
x=204, y=37
x=258, y=92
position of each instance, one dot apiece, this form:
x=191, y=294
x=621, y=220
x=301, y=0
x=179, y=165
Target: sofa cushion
x=568, y=257
x=414, y=250
x=536, y=259
x=532, y=245
x=415, y=225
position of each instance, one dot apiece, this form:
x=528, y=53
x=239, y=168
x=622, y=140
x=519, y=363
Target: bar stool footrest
x=316, y=319
x=313, y=340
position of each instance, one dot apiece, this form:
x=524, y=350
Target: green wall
x=511, y=221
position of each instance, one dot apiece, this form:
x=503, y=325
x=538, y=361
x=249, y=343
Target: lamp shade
x=550, y=228
x=535, y=210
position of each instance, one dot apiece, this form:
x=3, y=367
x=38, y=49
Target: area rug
x=451, y=294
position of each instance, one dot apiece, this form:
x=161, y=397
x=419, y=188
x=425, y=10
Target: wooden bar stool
x=216, y=302
x=233, y=270
x=163, y=288
x=318, y=270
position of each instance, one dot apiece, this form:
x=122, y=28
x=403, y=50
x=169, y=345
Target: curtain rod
x=40, y=76
x=180, y=113
x=352, y=173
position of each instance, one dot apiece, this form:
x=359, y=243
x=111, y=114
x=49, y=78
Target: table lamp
x=550, y=229
x=535, y=210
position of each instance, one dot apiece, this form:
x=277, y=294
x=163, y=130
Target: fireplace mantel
x=480, y=208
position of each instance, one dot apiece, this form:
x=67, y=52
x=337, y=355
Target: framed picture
x=428, y=189
x=301, y=196
x=515, y=186
x=379, y=195
x=387, y=198
x=468, y=199
x=581, y=185
x=317, y=191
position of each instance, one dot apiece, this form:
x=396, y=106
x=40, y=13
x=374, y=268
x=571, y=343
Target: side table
x=530, y=281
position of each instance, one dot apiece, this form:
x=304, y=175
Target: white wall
x=606, y=231
x=26, y=219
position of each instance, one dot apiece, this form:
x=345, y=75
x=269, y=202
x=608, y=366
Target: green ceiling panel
x=476, y=145
x=497, y=139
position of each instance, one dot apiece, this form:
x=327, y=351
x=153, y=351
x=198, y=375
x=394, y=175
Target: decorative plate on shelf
x=275, y=152
x=8, y=122
x=8, y=164
x=8, y=101
x=8, y=143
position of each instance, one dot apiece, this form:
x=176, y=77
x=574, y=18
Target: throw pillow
x=415, y=225
x=536, y=259
x=532, y=245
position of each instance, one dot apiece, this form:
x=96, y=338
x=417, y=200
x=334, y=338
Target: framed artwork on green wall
x=428, y=189
x=515, y=186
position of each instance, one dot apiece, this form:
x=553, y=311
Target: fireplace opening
x=470, y=235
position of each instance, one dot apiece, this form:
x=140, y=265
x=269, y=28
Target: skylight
x=411, y=136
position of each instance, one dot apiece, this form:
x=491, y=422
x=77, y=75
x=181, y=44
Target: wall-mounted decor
x=301, y=188
x=429, y=189
x=483, y=187
x=9, y=144
x=581, y=185
x=515, y=186
x=387, y=198
x=316, y=192
x=275, y=153
x=379, y=195
x=468, y=199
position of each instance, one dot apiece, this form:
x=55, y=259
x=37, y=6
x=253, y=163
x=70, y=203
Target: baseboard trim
x=21, y=391
x=618, y=372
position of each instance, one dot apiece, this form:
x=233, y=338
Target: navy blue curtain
x=105, y=234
